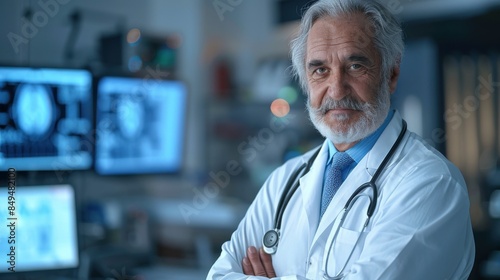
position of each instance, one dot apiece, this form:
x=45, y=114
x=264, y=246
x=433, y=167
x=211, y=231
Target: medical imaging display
x=139, y=125
x=45, y=119
x=45, y=236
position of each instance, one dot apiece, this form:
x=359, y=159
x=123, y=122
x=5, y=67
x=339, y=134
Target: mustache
x=347, y=102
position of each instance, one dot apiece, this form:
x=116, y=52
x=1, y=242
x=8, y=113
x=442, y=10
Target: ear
x=393, y=78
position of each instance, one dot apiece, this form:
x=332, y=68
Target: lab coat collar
x=361, y=174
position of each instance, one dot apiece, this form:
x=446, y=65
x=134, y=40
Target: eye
x=357, y=69
x=355, y=66
x=320, y=71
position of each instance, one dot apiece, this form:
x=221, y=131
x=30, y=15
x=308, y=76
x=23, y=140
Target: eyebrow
x=359, y=58
x=315, y=63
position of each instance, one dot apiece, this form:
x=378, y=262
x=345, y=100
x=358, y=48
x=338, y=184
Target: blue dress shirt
x=358, y=151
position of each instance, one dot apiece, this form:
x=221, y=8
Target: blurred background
x=141, y=131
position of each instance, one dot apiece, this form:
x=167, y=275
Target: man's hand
x=258, y=263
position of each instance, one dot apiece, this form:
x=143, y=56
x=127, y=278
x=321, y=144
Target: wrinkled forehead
x=347, y=31
x=357, y=26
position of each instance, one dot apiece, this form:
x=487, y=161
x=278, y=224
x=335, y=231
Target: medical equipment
x=271, y=238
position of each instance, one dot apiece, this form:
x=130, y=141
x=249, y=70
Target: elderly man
x=374, y=201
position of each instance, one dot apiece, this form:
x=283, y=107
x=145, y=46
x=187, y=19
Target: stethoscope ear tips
x=270, y=241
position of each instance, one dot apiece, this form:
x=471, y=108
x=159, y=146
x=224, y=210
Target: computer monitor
x=140, y=126
x=45, y=229
x=45, y=119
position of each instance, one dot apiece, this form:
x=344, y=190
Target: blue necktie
x=333, y=179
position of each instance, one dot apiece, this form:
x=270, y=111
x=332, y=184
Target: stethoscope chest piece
x=270, y=241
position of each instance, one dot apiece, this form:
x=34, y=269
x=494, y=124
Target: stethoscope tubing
x=290, y=187
x=293, y=184
x=371, y=206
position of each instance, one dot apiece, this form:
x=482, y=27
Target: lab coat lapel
x=357, y=177
x=310, y=188
x=361, y=174
x=384, y=144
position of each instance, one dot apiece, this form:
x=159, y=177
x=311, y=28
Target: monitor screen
x=44, y=230
x=45, y=119
x=139, y=126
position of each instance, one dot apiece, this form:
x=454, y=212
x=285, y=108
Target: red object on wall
x=222, y=80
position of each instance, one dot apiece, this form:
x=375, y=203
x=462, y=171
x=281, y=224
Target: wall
x=52, y=27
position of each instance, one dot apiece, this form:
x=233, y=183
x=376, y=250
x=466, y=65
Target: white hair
x=374, y=113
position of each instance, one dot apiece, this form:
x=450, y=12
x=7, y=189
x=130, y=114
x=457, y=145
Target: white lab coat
x=421, y=227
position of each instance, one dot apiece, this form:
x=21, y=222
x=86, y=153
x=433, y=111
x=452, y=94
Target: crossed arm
x=391, y=245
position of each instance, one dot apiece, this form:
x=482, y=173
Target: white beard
x=373, y=115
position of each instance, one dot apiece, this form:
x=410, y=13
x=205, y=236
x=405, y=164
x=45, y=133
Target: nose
x=337, y=87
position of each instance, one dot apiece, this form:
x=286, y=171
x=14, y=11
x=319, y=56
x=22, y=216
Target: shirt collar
x=358, y=151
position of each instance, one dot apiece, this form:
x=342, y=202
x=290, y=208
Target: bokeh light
x=280, y=107
x=289, y=94
x=133, y=35
x=134, y=63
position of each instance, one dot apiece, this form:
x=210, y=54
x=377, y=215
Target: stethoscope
x=271, y=238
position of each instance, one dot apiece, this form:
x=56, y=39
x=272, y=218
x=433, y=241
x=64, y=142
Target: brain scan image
x=131, y=118
x=37, y=100
x=48, y=118
x=140, y=126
